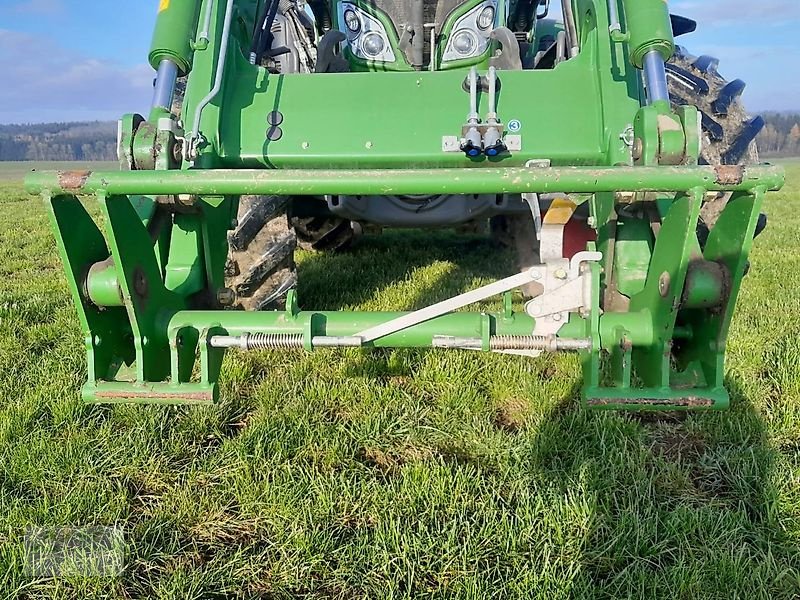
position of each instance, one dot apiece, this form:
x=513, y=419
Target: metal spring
x=266, y=341
x=521, y=342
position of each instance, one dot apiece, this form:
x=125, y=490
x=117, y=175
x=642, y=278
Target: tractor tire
x=729, y=133
x=260, y=268
x=323, y=234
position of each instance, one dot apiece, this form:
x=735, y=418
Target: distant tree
x=781, y=136
x=59, y=141
x=794, y=133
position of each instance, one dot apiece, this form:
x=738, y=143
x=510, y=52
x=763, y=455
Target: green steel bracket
x=690, y=121
x=141, y=295
x=155, y=143
x=590, y=359
x=128, y=125
x=141, y=285
x=728, y=245
x=689, y=299
x=664, y=285
x=107, y=332
x=662, y=137
x=123, y=293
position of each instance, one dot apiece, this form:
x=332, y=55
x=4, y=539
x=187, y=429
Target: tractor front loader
x=620, y=167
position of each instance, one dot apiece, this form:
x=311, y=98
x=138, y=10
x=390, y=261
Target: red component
x=577, y=234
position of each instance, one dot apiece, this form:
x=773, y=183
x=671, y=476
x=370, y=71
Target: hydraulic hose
x=262, y=41
x=572, y=31
x=194, y=136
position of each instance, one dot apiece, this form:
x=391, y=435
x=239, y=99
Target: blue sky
x=87, y=59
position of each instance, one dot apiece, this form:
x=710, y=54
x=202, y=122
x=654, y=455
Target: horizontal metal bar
x=120, y=392
x=278, y=329
x=387, y=182
x=230, y=326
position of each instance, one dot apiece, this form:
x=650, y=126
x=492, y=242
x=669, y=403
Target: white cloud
x=43, y=82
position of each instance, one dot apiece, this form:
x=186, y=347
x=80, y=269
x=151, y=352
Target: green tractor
x=620, y=168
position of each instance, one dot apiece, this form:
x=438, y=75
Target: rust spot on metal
x=729, y=174
x=73, y=180
x=687, y=401
x=196, y=396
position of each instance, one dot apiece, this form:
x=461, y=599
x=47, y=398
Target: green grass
x=399, y=474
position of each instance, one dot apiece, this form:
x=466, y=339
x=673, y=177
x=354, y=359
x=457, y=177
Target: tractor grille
x=402, y=13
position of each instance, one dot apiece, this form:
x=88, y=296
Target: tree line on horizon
x=93, y=141
x=97, y=140
x=781, y=136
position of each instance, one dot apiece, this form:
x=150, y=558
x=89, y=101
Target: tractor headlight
x=470, y=33
x=366, y=35
x=351, y=21
x=486, y=18
x=372, y=44
x=465, y=42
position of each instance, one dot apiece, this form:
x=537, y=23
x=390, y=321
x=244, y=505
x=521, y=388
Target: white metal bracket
x=449, y=305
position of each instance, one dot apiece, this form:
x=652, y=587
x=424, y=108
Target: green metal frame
x=146, y=277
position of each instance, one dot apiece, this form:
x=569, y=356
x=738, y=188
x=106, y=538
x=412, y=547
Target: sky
x=77, y=60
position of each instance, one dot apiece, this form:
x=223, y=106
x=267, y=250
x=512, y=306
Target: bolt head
x=557, y=317
x=560, y=274
x=638, y=149
x=663, y=284
x=226, y=296
x=177, y=153
x=535, y=274
x=533, y=308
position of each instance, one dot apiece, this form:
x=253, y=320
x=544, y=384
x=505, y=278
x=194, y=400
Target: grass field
x=400, y=474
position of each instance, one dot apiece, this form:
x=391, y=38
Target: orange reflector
x=560, y=212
